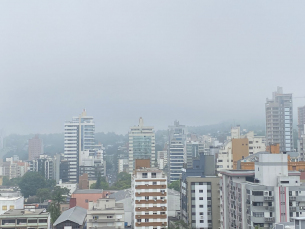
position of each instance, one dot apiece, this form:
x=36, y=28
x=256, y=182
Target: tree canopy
x=58, y=197
x=123, y=182
x=30, y=183
x=175, y=185
x=101, y=183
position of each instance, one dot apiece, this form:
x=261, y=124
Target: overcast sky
x=200, y=62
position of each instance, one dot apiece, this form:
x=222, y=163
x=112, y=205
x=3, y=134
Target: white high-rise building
x=79, y=136
x=279, y=124
x=141, y=144
x=149, y=197
x=176, y=151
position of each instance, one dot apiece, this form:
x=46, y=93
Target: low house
x=21, y=218
x=72, y=218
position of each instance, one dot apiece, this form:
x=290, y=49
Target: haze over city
x=200, y=63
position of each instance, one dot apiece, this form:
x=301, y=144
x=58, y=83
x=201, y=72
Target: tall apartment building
x=238, y=147
x=193, y=149
x=92, y=164
x=105, y=213
x=301, y=120
x=199, y=194
x=149, y=197
x=176, y=150
x=35, y=147
x=261, y=197
x=13, y=167
x=46, y=165
x=79, y=136
x=162, y=159
x=279, y=120
x=141, y=144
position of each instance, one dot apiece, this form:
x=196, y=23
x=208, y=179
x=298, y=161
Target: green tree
x=101, y=183
x=30, y=183
x=58, y=197
x=123, y=182
x=11, y=182
x=175, y=185
x=43, y=194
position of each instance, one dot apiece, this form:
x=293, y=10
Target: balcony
x=268, y=198
x=293, y=209
x=269, y=219
x=292, y=198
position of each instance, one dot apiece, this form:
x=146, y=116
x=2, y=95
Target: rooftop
x=87, y=191
x=3, y=198
x=21, y=212
x=76, y=215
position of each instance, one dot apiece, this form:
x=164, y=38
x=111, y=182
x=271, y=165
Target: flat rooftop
x=87, y=191
x=21, y=212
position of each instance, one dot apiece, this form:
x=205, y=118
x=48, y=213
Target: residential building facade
x=79, y=136
x=105, y=213
x=22, y=218
x=141, y=144
x=149, y=197
x=261, y=197
x=279, y=120
x=199, y=194
x=12, y=202
x=35, y=147
x=176, y=151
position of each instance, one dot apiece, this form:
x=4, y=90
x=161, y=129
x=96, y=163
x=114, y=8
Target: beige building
x=35, y=147
x=105, y=213
x=141, y=144
x=149, y=197
x=238, y=147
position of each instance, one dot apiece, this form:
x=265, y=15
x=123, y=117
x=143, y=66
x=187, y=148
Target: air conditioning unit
x=139, y=216
x=146, y=184
x=138, y=200
x=163, y=200
x=146, y=200
x=139, y=208
x=162, y=207
x=139, y=193
x=146, y=207
x=155, y=200
x=139, y=223
x=162, y=223
x=301, y=208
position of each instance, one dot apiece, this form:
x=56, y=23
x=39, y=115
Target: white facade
x=149, y=199
x=105, y=213
x=162, y=159
x=122, y=163
x=71, y=186
x=79, y=136
x=269, y=194
x=7, y=203
x=141, y=144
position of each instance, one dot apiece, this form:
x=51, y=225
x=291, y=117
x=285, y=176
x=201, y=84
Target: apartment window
x=144, y=175
x=162, y=213
x=153, y=175
x=146, y=213
x=95, y=217
x=193, y=198
x=201, y=221
x=86, y=200
x=201, y=213
x=43, y=220
x=200, y=191
x=200, y=198
x=200, y=206
x=146, y=197
x=257, y=193
x=146, y=220
x=138, y=220
x=258, y=214
x=109, y=216
x=4, y=207
x=154, y=213
x=11, y=207
x=32, y=221
x=154, y=183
